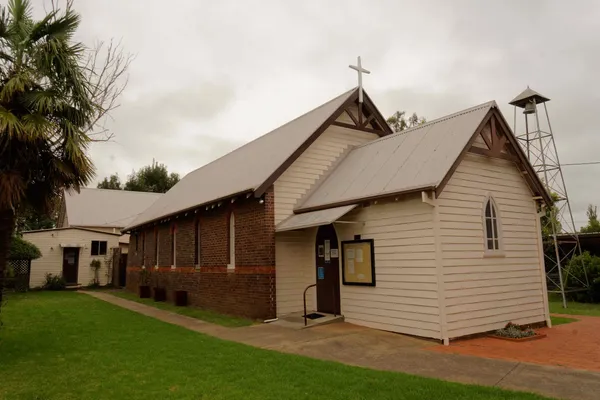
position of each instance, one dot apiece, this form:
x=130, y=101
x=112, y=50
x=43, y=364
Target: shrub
x=576, y=278
x=514, y=331
x=95, y=265
x=21, y=249
x=54, y=282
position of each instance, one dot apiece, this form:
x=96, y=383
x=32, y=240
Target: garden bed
x=516, y=333
x=522, y=339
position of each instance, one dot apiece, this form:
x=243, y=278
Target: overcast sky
x=211, y=75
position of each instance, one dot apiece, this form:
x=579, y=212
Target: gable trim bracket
x=495, y=145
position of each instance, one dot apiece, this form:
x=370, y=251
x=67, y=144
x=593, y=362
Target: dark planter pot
x=145, y=292
x=181, y=298
x=160, y=294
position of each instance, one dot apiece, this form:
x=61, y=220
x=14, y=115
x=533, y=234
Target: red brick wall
x=249, y=289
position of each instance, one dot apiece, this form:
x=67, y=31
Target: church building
x=433, y=231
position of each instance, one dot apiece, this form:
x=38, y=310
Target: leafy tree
x=52, y=98
x=593, y=223
x=111, y=183
x=398, y=121
x=32, y=220
x=550, y=216
x=152, y=178
x=21, y=249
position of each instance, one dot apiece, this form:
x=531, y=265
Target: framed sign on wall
x=358, y=262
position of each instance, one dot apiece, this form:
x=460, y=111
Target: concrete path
x=354, y=345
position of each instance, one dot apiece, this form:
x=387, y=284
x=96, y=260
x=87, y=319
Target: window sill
x=494, y=254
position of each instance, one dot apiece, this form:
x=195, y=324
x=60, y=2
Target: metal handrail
x=304, y=298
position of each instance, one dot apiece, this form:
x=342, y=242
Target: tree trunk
x=7, y=222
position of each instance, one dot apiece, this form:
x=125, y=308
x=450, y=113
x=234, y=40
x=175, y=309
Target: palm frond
x=63, y=27
x=10, y=124
x=21, y=24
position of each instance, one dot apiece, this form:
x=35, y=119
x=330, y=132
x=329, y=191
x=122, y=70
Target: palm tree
x=45, y=109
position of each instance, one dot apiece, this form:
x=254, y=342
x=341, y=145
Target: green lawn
x=561, y=320
x=66, y=345
x=573, y=308
x=194, y=312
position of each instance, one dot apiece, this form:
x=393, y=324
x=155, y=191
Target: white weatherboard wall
x=484, y=293
x=405, y=298
x=48, y=241
x=312, y=164
x=294, y=251
x=295, y=261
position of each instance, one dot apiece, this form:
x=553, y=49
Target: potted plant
x=181, y=298
x=145, y=284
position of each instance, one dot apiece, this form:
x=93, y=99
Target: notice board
x=358, y=262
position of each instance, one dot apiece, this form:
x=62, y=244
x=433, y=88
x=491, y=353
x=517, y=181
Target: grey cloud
x=222, y=73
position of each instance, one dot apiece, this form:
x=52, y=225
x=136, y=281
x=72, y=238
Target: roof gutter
x=128, y=229
x=363, y=199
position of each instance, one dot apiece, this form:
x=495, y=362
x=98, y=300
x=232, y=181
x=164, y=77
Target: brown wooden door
x=70, y=265
x=328, y=270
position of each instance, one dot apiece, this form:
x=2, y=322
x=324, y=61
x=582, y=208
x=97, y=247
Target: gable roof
x=105, y=207
x=415, y=159
x=252, y=167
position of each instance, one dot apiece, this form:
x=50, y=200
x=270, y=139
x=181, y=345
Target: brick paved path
x=573, y=345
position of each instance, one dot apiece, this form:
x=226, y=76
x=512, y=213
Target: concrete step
x=296, y=320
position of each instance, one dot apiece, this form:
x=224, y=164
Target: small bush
x=514, y=331
x=95, y=265
x=54, y=282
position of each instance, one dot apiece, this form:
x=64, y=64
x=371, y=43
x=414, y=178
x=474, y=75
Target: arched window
x=231, y=241
x=492, y=222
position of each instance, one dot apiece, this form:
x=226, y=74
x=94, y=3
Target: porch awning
x=313, y=218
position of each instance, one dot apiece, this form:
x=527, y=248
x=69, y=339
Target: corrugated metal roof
x=75, y=228
x=409, y=160
x=314, y=218
x=104, y=207
x=524, y=97
x=245, y=168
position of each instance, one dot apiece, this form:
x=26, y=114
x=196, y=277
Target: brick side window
x=231, y=264
x=143, y=248
x=173, y=244
x=156, y=246
x=197, y=242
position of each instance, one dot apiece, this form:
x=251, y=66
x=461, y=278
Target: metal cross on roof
x=358, y=67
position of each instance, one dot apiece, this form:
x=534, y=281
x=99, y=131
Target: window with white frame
x=173, y=245
x=197, y=243
x=156, y=238
x=491, y=226
x=231, y=241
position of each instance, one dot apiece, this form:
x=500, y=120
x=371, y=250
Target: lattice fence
x=17, y=275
